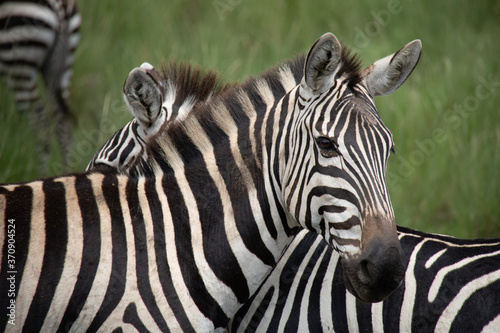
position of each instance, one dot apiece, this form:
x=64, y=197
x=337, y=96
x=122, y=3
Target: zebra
x=306, y=292
x=226, y=189
x=169, y=100
x=38, y=39
x=450, y=285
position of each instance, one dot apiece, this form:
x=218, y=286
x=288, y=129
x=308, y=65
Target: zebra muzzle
x=376, y=272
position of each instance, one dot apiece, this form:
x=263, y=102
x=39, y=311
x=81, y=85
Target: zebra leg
x=67, y=43
x=40, y=122
x=64, y=131
x=56, y=74
x=59, y=117
x=23, y=81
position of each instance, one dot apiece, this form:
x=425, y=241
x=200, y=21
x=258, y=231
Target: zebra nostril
x=364, y=272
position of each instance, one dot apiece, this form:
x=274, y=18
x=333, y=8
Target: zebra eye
x=328, y=148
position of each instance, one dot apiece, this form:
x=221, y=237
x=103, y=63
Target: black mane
x=351, y=67
x=191, y=81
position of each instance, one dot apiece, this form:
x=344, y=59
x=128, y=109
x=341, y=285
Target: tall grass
x=445, y=174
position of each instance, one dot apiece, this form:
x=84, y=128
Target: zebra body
x=224, y=192
x=451, y=285
x=38, y=41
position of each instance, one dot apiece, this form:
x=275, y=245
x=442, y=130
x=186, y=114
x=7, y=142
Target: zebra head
x=156, y=98
x=144, y=94
x=336, y=155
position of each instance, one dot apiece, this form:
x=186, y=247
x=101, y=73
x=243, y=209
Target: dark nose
x=380, y=269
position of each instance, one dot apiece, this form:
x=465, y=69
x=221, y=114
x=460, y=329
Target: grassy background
x=445, y=119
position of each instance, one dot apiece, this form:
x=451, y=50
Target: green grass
x=445, y=175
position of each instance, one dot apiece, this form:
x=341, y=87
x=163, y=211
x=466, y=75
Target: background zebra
x=39, y=38
x=182, y=248
x=451, y=285
x=172, y=96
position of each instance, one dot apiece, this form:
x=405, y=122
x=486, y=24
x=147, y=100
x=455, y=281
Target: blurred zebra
x=184, y=246
x=450, y=285
x=39, y=38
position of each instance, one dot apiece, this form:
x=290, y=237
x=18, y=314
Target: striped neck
x=236, y=133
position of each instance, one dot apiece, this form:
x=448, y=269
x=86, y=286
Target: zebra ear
x=143, y=95
x=386, y=75
x=321, y=63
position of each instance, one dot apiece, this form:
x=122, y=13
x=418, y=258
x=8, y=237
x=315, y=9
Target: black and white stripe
x=37, y=43
x=182, y=247
x=450, y=285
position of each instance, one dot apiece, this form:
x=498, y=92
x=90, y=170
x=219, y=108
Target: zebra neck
x=209, y=218
x=224, y=168
x=222, y=161
x=237, y=139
